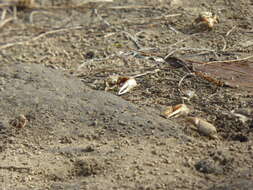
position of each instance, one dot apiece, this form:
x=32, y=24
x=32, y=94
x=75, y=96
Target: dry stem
x=229, y=61
x=5, y=21
x=8, y=45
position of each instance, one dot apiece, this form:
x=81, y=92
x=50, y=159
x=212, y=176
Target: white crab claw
x=127, y=86
x=176, y=111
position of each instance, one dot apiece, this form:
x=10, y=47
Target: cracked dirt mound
x=48, y=99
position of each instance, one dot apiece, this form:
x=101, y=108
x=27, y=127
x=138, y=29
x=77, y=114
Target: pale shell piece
x=176, y=111
x=127, y=86
x=204, y=127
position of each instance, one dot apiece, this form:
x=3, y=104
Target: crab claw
x=176, y=111
x=127, y=86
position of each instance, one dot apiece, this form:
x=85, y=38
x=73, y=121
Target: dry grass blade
x=31, y=4
x=229, y=61
x=4, y=22
x=8, y=45
x=130, y=7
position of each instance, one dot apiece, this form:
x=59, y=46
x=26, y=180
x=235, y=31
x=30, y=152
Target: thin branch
x=184, y=77
x=229, y=61
x=173, y=29
x=95, y=12
x=166, y=16
x=231, y=30
x=133, y=39
x=8, y=45
x=4, y=22
x=4, y=12
x=33, y=13
x=146, y=73
x=131, y=7
x=189, y=49
x=225, y=43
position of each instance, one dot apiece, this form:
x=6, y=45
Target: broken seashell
x=176, y=111
x=127, y=86
x=204, y=127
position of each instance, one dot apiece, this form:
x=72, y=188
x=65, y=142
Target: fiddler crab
x=207, y=20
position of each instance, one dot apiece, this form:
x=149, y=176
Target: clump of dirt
x=217, y=163
x=87, y=167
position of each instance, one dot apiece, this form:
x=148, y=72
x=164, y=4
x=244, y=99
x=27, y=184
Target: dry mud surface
x=80, y=137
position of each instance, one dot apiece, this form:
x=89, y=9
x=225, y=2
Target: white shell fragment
x=124, y=83
x=204, y=127
x=127, y=86
x=176, y=111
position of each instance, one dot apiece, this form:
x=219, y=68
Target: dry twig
x=146, y=73
x=225, y=43
x=133, y=39
x=231, y=30
x=131, y=7
x=95, y=12
x=184, y=77
x=5, y=21
x=229, y=61
x=8, y=45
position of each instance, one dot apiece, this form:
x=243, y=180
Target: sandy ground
x=78, y=136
